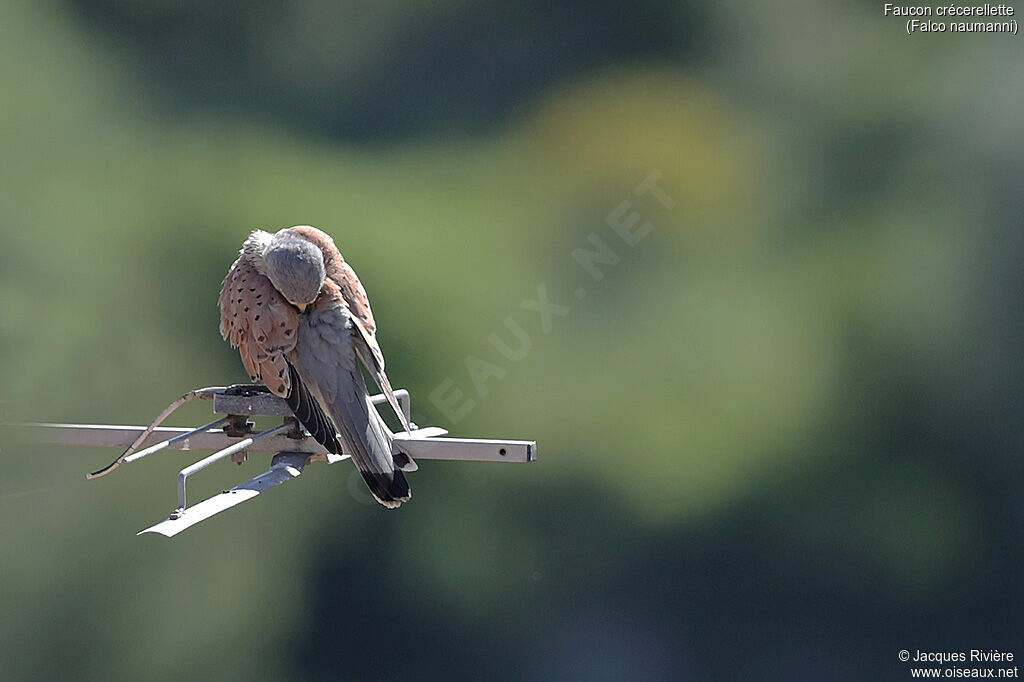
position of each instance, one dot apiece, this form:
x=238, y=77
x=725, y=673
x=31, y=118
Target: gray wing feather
x=325, y=358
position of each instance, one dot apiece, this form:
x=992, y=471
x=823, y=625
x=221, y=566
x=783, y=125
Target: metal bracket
x=238, y=426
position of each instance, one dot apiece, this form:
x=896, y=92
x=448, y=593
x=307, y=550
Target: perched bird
x=301, y=321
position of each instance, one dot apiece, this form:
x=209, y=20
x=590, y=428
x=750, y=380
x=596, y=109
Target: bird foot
x=240, y=457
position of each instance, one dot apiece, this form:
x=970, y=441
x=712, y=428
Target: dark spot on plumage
x=257, y=317
x=252, y=288
x=282, y=324
x=280, y=388
x=287, y=332
x=246, y=308
x=239, y=289
x=280, y=372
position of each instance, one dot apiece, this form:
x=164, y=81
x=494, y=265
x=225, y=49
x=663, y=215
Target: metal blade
x=283, y=468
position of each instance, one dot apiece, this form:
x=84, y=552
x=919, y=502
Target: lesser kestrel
x=301, y=321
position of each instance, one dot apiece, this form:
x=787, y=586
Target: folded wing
x=263, y=326
x=354, y=295
x=326, y=360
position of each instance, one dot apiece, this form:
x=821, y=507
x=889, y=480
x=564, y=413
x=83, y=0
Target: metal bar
x=404, y=401
x=401, y=394
x=174, y=439
x=119, y=436
x=424, y=443
x=418, y=434
x=217, y=456
x=284, y=467
x=468, y=449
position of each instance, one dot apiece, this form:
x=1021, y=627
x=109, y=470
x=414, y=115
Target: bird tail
x=390, y=492
x=366, y=437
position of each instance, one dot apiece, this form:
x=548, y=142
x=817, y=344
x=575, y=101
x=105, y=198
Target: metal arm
x=216, y=457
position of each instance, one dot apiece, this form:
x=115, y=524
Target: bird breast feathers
x=257, y=320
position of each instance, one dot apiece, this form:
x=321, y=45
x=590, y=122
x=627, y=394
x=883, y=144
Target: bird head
x=295, y=268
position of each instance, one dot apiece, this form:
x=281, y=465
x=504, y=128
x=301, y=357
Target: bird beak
x=301, y=307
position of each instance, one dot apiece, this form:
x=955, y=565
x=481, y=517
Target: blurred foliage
x=369, y=69
x=786, y=422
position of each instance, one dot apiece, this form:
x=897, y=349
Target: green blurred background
x=780, y=439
